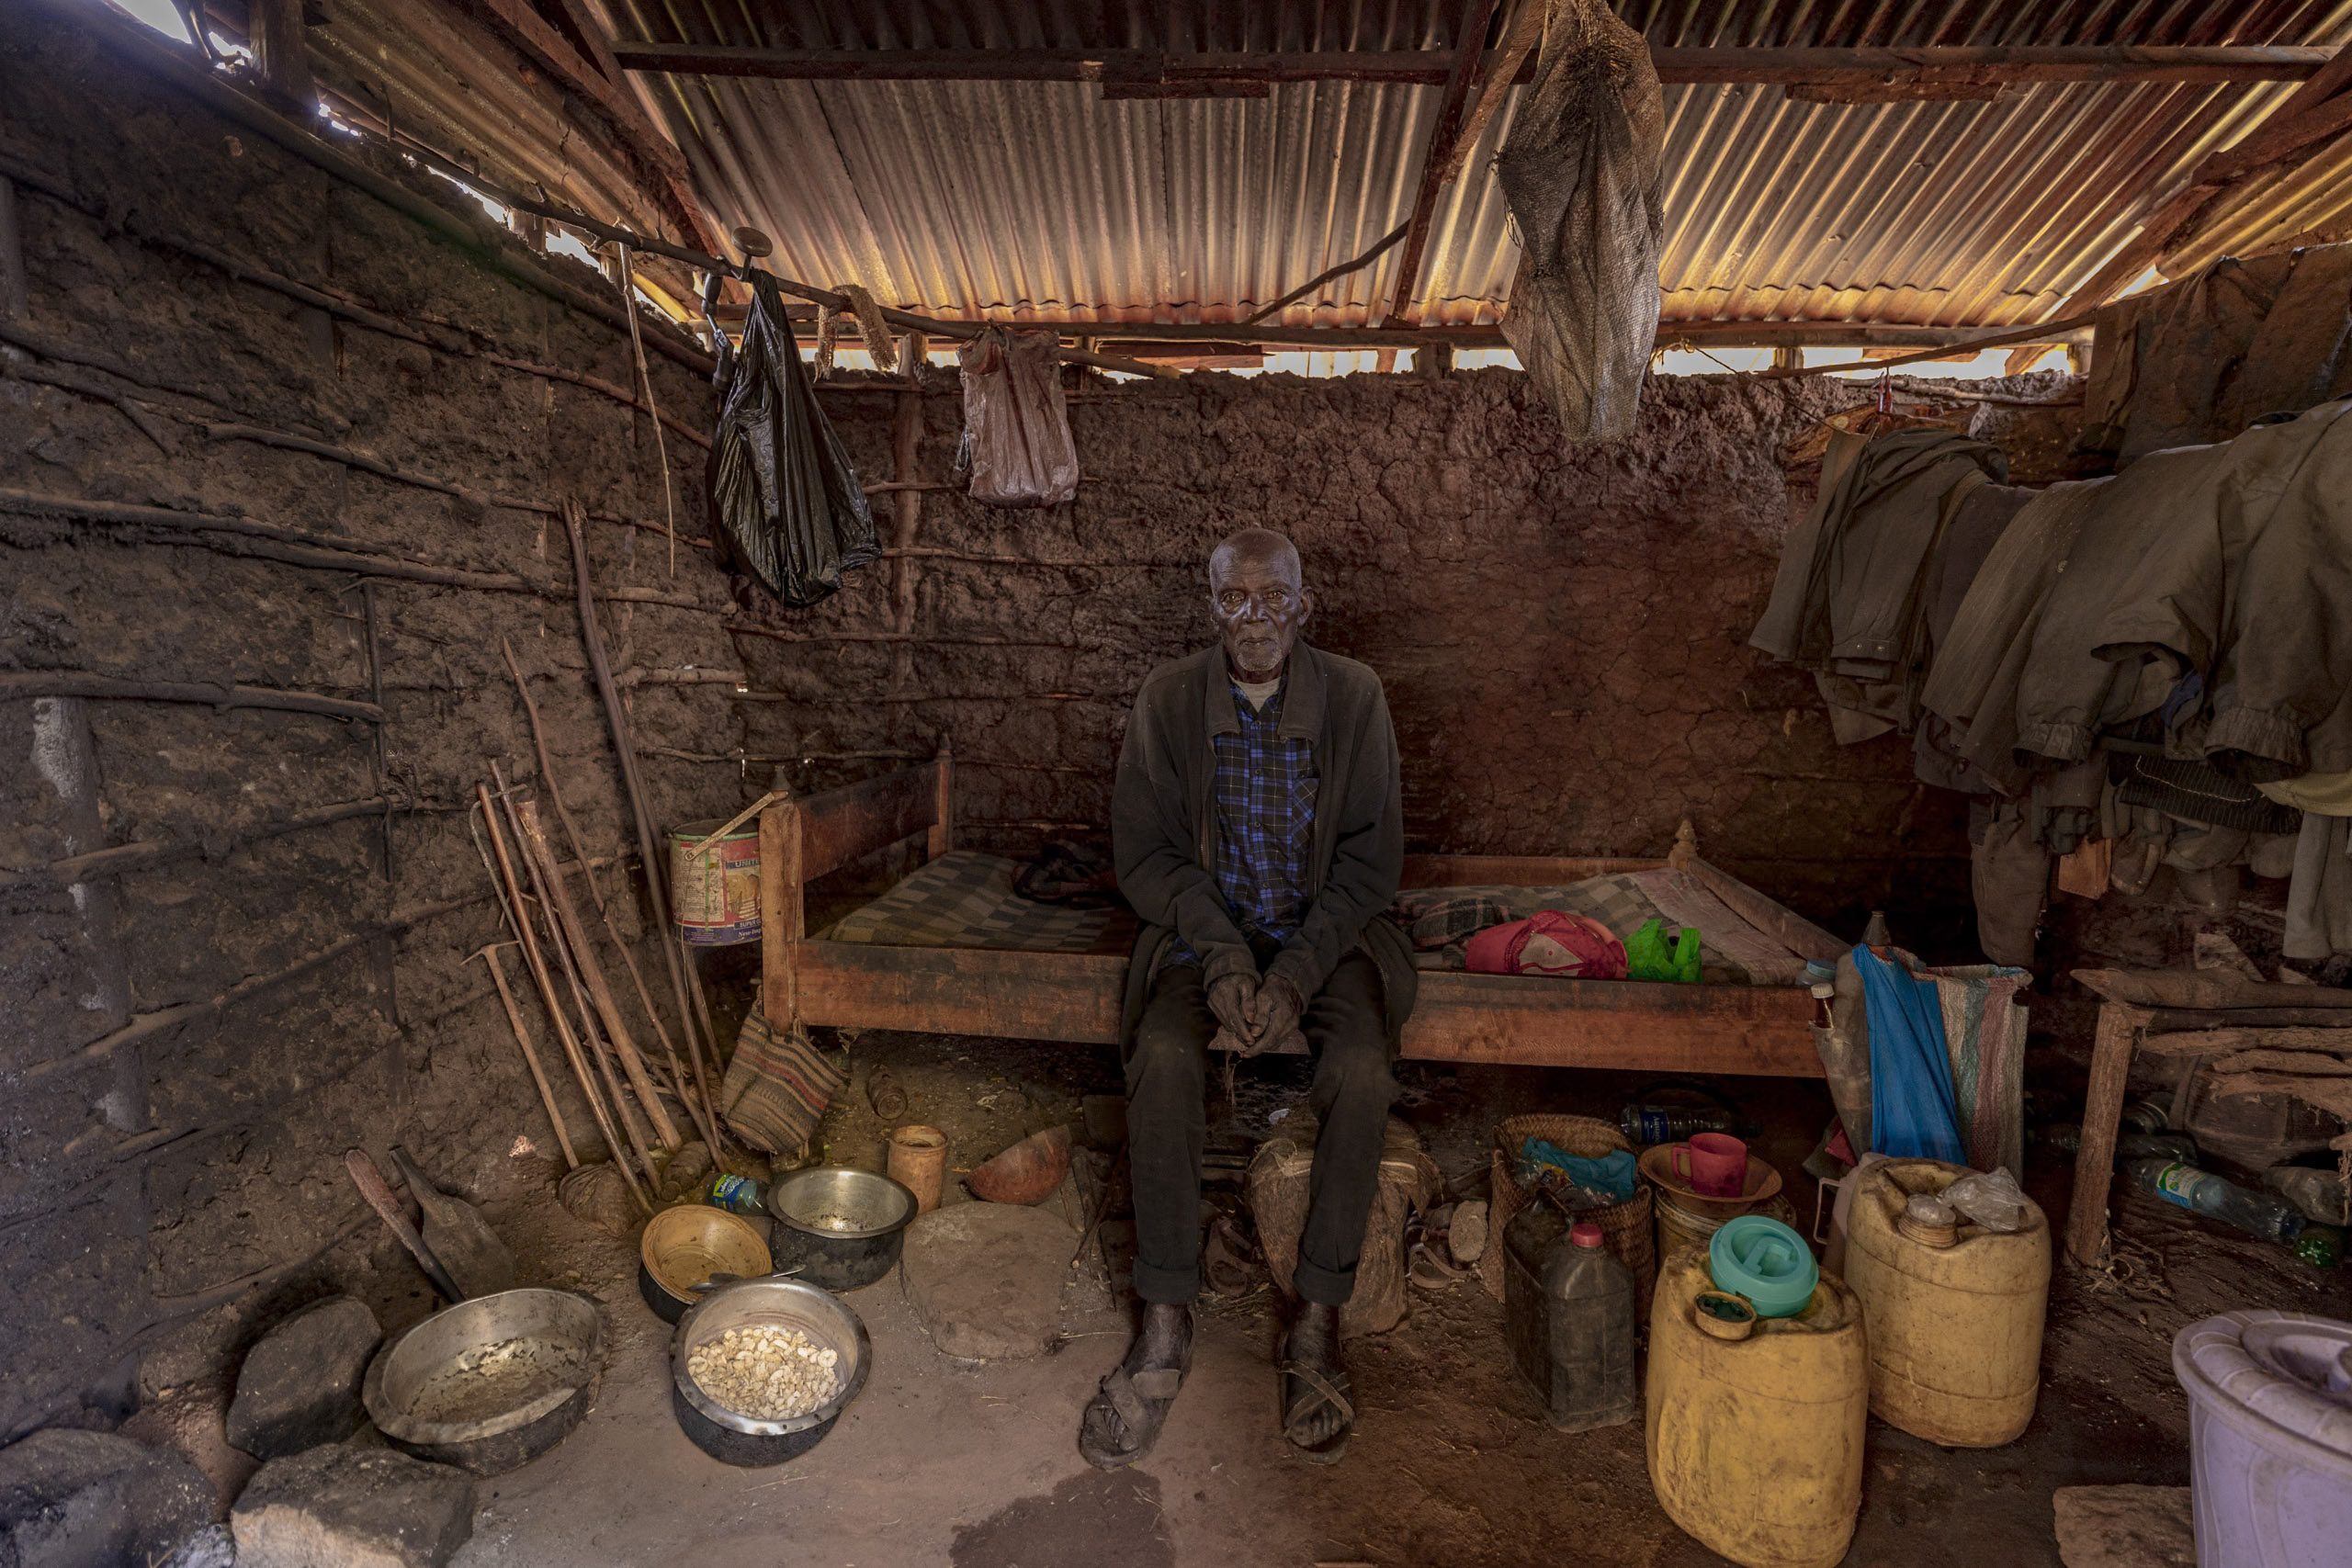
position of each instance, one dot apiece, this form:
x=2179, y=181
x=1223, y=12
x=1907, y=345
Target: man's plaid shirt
x=1265, y=824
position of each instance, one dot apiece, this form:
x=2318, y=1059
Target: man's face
x=1260, y=604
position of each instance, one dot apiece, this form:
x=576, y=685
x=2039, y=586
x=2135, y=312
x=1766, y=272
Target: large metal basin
x=492, y=1383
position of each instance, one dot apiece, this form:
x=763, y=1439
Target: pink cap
x=1584, y=1233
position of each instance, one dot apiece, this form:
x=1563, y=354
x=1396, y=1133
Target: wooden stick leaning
x=681, y=963
x=708, y=1118
x=514, y=1021
x=593, y=1045
x=575, y=932
x=510, y=899
x=592, y=974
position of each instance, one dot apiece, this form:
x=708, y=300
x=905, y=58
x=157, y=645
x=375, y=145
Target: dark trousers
x=1167, y=1066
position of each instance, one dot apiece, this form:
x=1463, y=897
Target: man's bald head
x=1253, y=544
x=1258, y=594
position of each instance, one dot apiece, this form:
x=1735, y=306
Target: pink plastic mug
x=1715, y=1164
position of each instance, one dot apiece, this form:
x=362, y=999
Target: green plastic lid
x=1757, y=1256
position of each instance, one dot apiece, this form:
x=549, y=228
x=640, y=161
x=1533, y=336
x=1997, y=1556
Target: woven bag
x=1279, y=1176
x=778, y=1087
x=1625, y=1227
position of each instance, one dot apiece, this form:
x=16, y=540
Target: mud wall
x=1563, y=633
x=269, y=962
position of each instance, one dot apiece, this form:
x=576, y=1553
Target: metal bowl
x=876, y=1211
x=538, y=1354
x=739, y=1439
x=684, y=1246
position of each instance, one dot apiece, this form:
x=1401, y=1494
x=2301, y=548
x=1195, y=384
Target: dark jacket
x=1163, y=820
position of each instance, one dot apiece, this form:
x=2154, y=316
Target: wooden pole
x=520, y=917
x=1437, y=157
x=281, y=58
x=523, y=1039
x=679, y=963
x=592, y=974
x=2102, y=1114
x=1432, y=67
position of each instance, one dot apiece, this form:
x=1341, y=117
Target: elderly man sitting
x=1257, y=824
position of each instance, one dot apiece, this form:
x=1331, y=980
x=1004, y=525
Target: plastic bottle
x=2145, y=1116
x=2320, y=1245
x=739, y=1194
x=2320, y=1195
x=1672, y=1123
x=1568, y=1314
x=2273, y=1219
x=2067, y=1139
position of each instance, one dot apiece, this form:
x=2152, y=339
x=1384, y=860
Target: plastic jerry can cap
x=1584, y=1233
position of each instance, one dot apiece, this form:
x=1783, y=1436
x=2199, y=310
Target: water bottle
x=2273, y=1219
x=2145, y=1116
x=1672, y=1123
x=2066, y=1138
x=2320, y=1195
x=2321, y=1247
x=739, y=1194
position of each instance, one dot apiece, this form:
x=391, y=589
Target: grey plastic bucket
x=2270, y=1437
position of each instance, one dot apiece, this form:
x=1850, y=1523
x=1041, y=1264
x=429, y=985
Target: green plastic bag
x=1647, y=957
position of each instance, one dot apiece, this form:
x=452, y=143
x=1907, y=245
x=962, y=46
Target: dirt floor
x=973, y=1464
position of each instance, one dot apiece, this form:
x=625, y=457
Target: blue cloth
x=1913, y=1113
x=1264, y=798
x=1612, y=1176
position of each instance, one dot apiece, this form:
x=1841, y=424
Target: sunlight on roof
x=158, y=14
x=563, y=243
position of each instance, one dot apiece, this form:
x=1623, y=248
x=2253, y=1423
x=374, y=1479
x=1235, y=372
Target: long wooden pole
x=530, y=1055
x=709, y=1117
x=592, y=974
x=512, y=896
x=648, y=842
x=1432, y=67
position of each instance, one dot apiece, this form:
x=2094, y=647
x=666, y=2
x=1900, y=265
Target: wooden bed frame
x=1076, y=997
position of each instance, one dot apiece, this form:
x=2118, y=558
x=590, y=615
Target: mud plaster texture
x=187, y=1178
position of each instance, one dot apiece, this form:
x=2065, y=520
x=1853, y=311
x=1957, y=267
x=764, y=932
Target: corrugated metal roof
x=1040, y=198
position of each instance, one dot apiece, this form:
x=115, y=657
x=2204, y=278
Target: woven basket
x=1624, y=1226
x=1279, y=1180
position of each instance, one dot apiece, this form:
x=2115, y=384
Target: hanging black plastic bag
x=789, y=506
x=1581, y=173
x=1017, y=445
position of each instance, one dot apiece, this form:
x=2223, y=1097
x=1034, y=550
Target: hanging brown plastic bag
x=1017, y=445
x=1580, y=170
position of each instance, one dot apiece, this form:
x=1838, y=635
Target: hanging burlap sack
x=1278, y=1184
x=1580, y=170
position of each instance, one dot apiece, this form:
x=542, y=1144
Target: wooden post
x=14, y=301
x=274, y=30
x=781, y=913
x=2118, y=1028
x=943, y=822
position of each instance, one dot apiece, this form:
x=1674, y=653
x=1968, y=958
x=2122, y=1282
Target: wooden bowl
x=1027, y=1172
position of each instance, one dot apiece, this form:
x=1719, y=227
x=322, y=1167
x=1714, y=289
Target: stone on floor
x=2124, y=1527
x=73, y=1499
x=192, y=1418
x=352, y=1507
x=987, y=1279
x=300, y=1386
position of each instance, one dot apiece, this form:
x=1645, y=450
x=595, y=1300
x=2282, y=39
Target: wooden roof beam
x=1437, y=157
x=1954, y=65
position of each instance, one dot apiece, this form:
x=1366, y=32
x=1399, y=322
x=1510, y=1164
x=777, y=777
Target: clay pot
x=1027, y=1172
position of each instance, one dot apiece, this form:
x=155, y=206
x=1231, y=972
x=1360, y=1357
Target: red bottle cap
x=1584, y=1233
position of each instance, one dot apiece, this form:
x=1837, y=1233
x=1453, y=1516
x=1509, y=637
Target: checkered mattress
x=965, y=899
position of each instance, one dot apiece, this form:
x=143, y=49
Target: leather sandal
x=1140, y=1400
x=1314, y=1391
